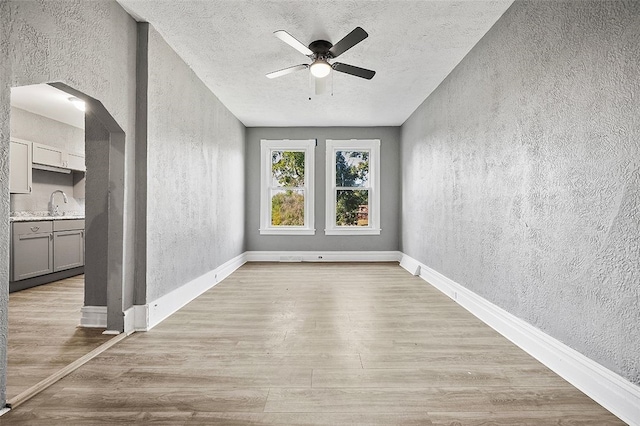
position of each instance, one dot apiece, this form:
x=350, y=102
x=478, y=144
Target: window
x=286, y=201
x=353, y=187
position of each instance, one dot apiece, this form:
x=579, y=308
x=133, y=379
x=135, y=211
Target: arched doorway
x=104, y=147
x=104, y=208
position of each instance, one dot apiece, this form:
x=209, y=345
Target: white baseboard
x=607, y=388
x=145, y=317
x=136, y=318
x=323, y=256
x=93, y=317
x=411, y=265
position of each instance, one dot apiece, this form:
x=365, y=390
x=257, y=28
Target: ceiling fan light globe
x=320, y=68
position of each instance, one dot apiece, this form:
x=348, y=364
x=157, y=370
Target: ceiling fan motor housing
x=320, y=49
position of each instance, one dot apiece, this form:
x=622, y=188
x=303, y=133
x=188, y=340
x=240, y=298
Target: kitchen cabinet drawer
x=68, y=224
x=35, y=227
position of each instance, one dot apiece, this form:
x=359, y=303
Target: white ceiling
x=48, y=101
x=412, y=46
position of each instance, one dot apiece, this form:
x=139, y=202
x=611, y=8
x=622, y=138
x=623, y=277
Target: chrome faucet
x=53, y=208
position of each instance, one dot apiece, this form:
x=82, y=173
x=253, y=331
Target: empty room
x=320, y=212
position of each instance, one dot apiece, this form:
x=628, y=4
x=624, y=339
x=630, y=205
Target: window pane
x=352, y=207
x=287, y=168
x=287, y=208
x=352, y=168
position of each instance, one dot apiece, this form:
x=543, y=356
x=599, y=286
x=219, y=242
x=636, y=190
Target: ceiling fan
x=320, y=52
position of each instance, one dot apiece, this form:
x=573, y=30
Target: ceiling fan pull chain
x=332, y=84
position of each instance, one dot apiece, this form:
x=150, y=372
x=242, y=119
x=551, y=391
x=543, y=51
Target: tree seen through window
x=352, y=183
x=287, y=193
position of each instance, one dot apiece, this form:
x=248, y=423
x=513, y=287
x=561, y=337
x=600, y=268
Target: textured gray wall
x=521, y=174
x=89, y=46
x=389, y=191
x=44, y=183
x=5, y=104
x=36, y=128
x=195, y=175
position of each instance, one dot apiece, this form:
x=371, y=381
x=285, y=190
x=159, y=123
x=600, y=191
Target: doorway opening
x=63, y=195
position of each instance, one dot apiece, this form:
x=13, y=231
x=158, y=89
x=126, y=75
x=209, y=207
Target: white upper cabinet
x=75, y=161
x=20, y=173
x=49, y=155
x=57, y=157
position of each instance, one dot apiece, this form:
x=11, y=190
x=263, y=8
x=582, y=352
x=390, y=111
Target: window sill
x=288, y=231
x=352, y=231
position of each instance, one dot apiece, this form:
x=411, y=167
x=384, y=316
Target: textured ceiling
x=412, y=46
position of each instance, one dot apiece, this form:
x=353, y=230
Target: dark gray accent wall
x=521, y=174
x=389, y=191
x=142, y=80
x=195, y=175
x=96, y=269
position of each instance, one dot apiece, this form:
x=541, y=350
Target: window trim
x=266, y=147
x=373, y=146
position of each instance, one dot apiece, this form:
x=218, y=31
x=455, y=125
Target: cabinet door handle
x=35, y=228
x=51, y=236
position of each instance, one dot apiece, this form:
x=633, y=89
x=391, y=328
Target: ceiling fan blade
x=286, y=71
x=293, y=42
x=350, y=40
x=350, y=69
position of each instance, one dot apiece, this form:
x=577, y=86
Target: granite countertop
x=36, y=216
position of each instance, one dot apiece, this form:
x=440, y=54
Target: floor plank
x=43, y=332
x=315, y=344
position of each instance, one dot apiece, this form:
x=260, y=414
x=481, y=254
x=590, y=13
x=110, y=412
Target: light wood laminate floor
x=315, y=344
x=44, y=335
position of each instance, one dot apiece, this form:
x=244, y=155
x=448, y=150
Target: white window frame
x=373, y=146
x=266, y=148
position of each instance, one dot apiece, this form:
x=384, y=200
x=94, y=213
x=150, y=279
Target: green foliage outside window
x=287, y=206
x=287, y=168
x=287, y=209
x=352, y=171
x=352, y=208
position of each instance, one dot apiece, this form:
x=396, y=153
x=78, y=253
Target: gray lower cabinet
x=68, y=244
x=32, y=249
x=42, y=247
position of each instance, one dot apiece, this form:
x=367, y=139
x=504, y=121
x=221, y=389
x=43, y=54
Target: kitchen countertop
x=37, y=216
